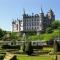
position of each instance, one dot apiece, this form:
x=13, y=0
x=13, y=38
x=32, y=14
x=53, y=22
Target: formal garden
x=50, y=51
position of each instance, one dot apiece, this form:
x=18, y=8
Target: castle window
x=35, y=27
x=37, y=23
x=27, y=24
x=27, y=28
x=32, y=19
x=32, y=27
x=37, y=19
x=40, y=21
x=20, y=28
x=32, y=24
x=17, y=27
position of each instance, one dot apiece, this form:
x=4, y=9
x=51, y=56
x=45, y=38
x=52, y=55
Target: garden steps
x=8, y=56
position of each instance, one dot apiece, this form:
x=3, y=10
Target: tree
x=56, y=24
x=24, y=47
x=15, y=36
x=2, y=33
x=49, y=30
x=28, y=48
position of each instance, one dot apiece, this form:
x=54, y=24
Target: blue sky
x=13, y=9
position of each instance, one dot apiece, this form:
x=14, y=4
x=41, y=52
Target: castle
x=35, y=22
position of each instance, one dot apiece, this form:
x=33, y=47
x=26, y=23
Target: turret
x=51, y=15
x=41, y=13
x=13, y=23
x=41, y=10
x=24, y=14
x=41, y=18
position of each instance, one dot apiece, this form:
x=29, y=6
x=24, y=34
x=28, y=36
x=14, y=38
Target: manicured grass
x=48, y=48
x=45, y=36
x=41, y=57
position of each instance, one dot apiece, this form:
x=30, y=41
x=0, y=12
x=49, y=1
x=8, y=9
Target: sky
x=13, y=9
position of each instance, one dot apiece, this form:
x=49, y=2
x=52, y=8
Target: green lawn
x=41, y=57
x=45, y=36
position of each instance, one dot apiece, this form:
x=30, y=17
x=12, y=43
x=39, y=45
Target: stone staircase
x=8, y=56
x=58, y=57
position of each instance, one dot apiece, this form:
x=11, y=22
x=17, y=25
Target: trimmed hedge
x=28, y=48
x=10, y=47
x=37, y=47
x=1, y=57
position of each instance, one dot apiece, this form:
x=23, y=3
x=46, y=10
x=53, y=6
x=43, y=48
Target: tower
x=51, y=15
x=41, y=18
x=24, y=14
x=41, y=14
x=13, y=23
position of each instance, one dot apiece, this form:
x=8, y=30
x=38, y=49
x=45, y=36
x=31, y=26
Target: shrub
x=29, y=49
x=50, y=42
x=14, y=58
x=24, y=47
x=56, y=24
x=10, y=47
x=37, y=47
x=49, y=30
x=1, y=57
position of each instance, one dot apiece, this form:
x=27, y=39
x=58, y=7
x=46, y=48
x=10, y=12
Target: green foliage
x=45, y=36
x=56, y=24
x=24, y=47
x=29, y=49
x=1, y=57
x=49, y=30
x=40, y=57
x=2, y=33
x=14, y=58
x=10, y=47
x=15, y=36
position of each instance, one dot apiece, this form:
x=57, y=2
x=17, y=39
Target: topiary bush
x=29, y=49
x=10, y=47
x=1, y=57
x=24, y=47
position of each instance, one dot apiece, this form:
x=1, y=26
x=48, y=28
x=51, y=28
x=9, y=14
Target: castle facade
x=35, y=22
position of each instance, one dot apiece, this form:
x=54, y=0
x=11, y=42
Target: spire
x=24, y=14
x=50, y=10
x=23, y=10
x=13, y=22
x=41, y=10
x=41, y=7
